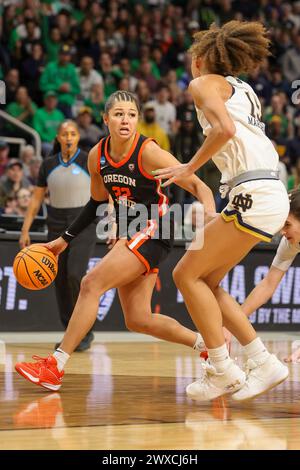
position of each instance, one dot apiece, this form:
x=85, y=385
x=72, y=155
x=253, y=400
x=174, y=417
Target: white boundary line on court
x=120, y=336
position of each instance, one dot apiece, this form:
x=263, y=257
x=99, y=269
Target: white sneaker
x=261, y=377
x=213, y=384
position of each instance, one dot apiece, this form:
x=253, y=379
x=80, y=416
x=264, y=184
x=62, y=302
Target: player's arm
x=87, y=215
x=207, y=96
x=153, y=156
x=32, y=210
x=263, y=291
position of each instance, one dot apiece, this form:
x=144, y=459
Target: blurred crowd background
x=62, y=59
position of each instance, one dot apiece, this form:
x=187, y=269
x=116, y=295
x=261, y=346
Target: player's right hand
x=57, y=246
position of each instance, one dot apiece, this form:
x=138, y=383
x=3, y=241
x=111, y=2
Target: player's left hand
x=173, y=173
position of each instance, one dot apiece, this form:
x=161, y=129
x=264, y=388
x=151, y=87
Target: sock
x=199, y=343
x=61, y=358
x=257, y=351
x=219, y=358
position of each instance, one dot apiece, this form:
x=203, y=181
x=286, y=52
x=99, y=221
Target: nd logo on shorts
x=107, y=298
x=242, y=201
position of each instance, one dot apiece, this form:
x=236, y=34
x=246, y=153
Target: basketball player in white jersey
x=230, y=115
x=288, y=249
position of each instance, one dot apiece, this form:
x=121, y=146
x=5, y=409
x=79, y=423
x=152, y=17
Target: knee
x=138, y=325
x=178, y=277
x=183, y=279
x=89, y=286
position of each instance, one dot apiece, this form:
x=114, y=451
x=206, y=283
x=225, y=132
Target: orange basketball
x=35, y=267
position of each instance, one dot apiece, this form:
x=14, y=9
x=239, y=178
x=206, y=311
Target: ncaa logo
x=107, y=298
x=103, y=160
x=131, y=167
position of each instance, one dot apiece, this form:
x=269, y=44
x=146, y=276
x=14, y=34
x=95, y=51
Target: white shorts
x=258, y=207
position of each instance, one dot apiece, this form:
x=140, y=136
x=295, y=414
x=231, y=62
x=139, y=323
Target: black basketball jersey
x=128, y=183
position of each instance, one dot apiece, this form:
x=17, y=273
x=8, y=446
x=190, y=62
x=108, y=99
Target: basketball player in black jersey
x=120, y=166
x=64, y=175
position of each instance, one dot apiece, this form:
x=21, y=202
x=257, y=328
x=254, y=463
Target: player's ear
x=105, y=119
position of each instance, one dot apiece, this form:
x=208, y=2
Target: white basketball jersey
x=250, y=148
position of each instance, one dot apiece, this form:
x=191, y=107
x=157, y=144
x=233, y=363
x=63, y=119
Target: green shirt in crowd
x=15, y=110
x=46, y=123
x=55, y=75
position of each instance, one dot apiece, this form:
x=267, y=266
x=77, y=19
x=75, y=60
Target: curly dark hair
x=294, y=197
x=236, y=47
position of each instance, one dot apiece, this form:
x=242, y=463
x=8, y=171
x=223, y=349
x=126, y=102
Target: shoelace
x=42, y=361
x=207, y=369
x=250, y=365
x=39, y=358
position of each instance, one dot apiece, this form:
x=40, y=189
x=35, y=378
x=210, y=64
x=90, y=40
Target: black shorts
x=150, y=246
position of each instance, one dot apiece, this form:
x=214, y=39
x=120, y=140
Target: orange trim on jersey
x=153, y=271
x=126, y=158
x=138, y=254
x=144, y=235
x=139, y=159
x=163, y=200
x=99, y=156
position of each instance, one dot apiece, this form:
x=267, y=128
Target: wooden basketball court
x=131, y=395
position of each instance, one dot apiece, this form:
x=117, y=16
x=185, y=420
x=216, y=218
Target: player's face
x=68, y=137
x=122, y=119
x=291, y=229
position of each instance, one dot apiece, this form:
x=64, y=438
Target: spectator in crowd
x=149, y=127
x=275, y=134
x=10, y=206
x=186, y=143
x=34, y=168
x=12, y=83
x=291, y=61
x=125, y=72
x=294, y=177
x=23, y=197
x=62, y=77
x=90, y=134
x=46, y=121
x=283, y=174
x=143, y=92
x=165, y=110
x=23, y=108
x=96, y=103
x=27, y=153
x=4, y=152
x=144, y=72
x=108, y=73
x=277, y=109
x=12, y=180
x=260, y=84
x=292, y=154
x=88, y=77
x=31, y=70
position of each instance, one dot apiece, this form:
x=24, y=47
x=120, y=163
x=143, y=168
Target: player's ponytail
x=236, y=47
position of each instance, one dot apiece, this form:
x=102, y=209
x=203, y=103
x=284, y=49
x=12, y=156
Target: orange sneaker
x=44, y=372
